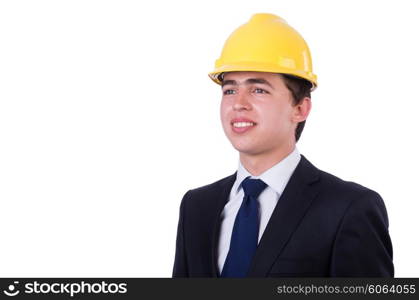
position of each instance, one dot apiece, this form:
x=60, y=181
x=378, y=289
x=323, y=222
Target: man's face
x=257, y=113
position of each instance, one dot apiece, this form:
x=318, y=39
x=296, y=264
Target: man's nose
x=241, y=102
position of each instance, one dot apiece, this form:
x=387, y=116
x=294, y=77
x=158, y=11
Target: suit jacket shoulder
x=350, y=194
x=206, y=198
x=338, y=185
x=210, y=188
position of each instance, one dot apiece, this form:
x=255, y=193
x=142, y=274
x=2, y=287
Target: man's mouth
x=241, y=125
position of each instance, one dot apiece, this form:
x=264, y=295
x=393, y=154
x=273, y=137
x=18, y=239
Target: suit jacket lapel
x=221, y=197
x=288, y=213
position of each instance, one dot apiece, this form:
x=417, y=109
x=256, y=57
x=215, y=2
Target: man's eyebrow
x=248, y=81
x=225, y=82
x=258, y=80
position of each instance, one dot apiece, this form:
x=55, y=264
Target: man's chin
x=246, y=149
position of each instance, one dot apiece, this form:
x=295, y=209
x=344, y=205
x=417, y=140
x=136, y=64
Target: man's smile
x=241, y=125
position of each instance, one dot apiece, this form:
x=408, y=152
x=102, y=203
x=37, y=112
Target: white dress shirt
x=276, y=178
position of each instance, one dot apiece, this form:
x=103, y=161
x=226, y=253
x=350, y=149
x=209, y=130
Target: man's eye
x=228, y=92
x=260, y=91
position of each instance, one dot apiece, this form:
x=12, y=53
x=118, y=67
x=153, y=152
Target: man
x=278, y=215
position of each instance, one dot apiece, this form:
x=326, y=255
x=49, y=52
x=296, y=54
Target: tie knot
x=253, y=187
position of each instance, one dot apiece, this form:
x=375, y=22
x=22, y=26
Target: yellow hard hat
x=265, y=44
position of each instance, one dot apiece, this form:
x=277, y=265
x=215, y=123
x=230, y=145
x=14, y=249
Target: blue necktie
x=244, y=239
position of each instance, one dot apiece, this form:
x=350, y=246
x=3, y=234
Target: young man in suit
x=278, y=215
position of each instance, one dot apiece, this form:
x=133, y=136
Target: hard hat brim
x=260, y=67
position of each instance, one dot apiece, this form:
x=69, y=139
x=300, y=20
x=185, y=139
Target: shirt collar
x=276, y=177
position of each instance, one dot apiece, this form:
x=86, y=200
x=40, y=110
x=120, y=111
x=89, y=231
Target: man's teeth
x=243, y=124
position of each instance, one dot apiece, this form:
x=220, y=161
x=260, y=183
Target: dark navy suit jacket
x=321, y=226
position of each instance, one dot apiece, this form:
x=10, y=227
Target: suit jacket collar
x=290, y=209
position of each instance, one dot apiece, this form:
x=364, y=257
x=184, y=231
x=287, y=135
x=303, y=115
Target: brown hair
x=299, y=88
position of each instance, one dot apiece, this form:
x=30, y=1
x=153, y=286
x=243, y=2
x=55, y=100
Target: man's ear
x=302, y=110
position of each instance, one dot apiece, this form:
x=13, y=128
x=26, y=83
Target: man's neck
x=257, y=164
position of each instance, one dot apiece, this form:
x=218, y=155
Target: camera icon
x=12, y=291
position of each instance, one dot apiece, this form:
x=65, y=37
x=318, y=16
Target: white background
x=107, y=117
